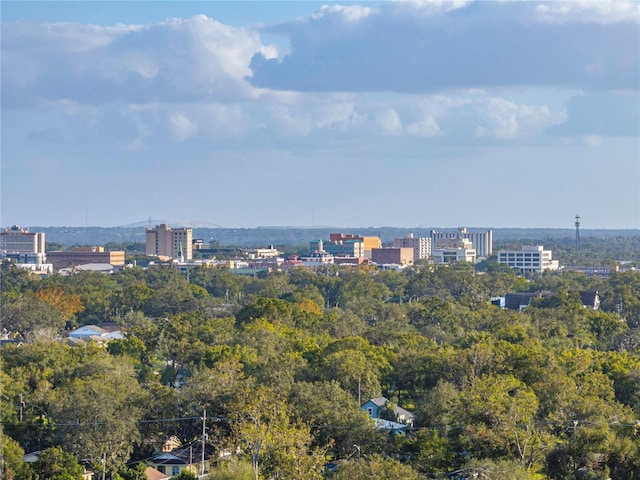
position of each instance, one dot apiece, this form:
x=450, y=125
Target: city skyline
x=306, y=114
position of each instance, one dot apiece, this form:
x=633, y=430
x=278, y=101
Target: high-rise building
x=16, y=239
x=163, y=241
x=421, y=245
x=482, y=241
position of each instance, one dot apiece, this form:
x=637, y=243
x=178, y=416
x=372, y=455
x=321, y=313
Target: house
x=184, y=458
x=590, y=299
x=376, y=408
x=33, y=457
x=153, y=474
x=521, y=300
x=93, y=332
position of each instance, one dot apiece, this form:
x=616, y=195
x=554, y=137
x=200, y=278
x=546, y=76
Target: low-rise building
x=85, y=255
x=269, y=252
x=530, y=259
x=368, y=243
x=397, y=256
x=339, y=248
x=453, y=250
x=317, y=259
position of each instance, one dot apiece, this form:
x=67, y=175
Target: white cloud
x=429, y=6
x=427, y=127
x=182, y=128
x=593, y=140
x=389, y=121
x=178, y=60
x=507, y=120
x=603, y=12
x=288, y=122
x=351, y=13
x=428, y=47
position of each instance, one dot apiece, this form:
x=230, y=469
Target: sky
x=353, y=114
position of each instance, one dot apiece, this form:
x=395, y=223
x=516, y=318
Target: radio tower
x=577, y=224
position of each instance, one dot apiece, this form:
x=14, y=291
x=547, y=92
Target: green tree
x=32, y=318
x=499, y=415
x=185, y=475
x=374, y=466
x=98, y=406
x=334, y=417
x=261, y=428
x=12, y=455
x=56, y=464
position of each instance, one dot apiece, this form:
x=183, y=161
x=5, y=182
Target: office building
x=339, y=248
x=453, y=250
x=482, y=242
x=77, y=256
x=16, y=239
x=368, y=243
x=176, y=243
x=421, y=245
x=392, y=256
x=528, y=260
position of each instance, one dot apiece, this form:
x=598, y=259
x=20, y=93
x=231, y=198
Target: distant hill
x=175, y=223
x=261, y=236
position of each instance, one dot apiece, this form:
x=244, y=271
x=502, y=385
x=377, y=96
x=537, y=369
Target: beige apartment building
x=421, y=245
x=164, y=241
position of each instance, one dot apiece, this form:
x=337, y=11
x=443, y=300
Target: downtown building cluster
x=177, y=245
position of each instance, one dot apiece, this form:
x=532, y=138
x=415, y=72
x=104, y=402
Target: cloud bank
x=436, y=89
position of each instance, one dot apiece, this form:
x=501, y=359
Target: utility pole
x=204, y=437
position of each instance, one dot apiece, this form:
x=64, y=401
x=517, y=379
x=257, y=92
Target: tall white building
x=482, y=241
x=530, y=259
x=164, y=241
x=16, y=239
x=421, y=245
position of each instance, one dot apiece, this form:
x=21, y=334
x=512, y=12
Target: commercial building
x=339, y=248
x=368, y=243
x=163, y=241
x=421, y=245
x=482, y=242
x=532, y=258
x=16, y=239
x=317, y=259
x=392, y=256
x=76, y=256
x=453, y=250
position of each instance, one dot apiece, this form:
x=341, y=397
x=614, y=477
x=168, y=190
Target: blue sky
x=432, y=113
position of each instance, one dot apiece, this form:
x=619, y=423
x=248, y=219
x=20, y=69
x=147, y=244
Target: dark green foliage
x=549, y=392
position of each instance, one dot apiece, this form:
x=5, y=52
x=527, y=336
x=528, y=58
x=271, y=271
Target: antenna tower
x=577, y=224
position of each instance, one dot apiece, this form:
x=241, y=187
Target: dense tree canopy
x=282, y=363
